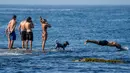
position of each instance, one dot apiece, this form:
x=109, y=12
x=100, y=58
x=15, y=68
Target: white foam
x=57, y=50
x=51, y=50
x=125, y=48
x=60, y=9
x=9, y=53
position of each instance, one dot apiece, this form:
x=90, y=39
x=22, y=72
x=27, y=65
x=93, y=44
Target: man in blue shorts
x=10, y=32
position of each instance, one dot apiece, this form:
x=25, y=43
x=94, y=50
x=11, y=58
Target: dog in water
x=63, y=46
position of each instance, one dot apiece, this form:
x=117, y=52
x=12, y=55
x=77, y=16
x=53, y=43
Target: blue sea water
x=69, y=23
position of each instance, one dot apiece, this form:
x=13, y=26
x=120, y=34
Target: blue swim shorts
x=12, y=36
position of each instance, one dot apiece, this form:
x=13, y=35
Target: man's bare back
x=28, y=27
x=22, y=26
x=11, y=26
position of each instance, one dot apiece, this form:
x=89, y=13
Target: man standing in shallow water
x=29, y=34
x=10, y=32
x=22, y=31
x=45, y=25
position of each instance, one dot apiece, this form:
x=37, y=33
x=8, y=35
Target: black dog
x=63, y=46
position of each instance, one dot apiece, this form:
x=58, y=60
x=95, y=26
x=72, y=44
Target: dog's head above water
x=67, y=43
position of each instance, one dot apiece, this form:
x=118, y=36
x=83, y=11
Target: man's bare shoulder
x=13, y=21
x=23, y=22
x=10, y=21
x=27, y=23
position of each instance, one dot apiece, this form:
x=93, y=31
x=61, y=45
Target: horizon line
x=71, y=4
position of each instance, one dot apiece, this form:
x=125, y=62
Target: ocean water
x=69, y=23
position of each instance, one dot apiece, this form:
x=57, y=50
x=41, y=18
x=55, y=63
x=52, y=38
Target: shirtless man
x=107, y=43
x=29, y=34
x=45, y=25
x=10, y=32
x=22, y=31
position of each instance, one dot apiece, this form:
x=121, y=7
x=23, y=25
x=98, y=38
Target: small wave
x=60, y=9
x=118, y=20
x=57, y=50
x=9, y=53
x=6, y=52
x=32, y=9
x=19, y=9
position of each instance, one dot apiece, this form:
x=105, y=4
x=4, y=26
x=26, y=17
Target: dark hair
x=44, y=21
x=14, y=16
x=29, y=19
x=67, y=42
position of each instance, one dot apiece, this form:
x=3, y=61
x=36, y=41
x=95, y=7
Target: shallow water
x=74, y=24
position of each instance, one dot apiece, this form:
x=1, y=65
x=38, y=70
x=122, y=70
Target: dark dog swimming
x=60, y=45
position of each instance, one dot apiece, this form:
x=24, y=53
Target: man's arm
x=7, y=29
x=32, y=25
x=14, y=25
x=19, y=28
x=8, y=26
x=48, y=25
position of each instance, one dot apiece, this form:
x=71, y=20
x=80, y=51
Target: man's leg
x=23, y=44
x=31, y=39
x=26, y=44
x=43, y=45
x=13, y=38
x=23, y=38
x=31, y=45
x=12, y=42
x=91, y=41
x=9, y=44
x=27, y=39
